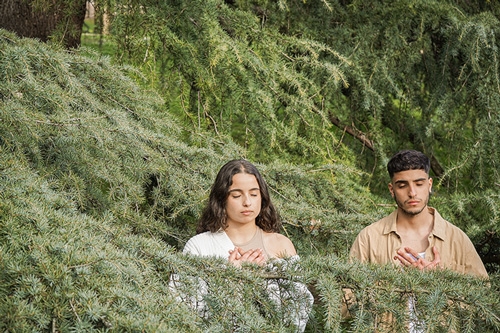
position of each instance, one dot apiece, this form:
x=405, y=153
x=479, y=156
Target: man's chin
x=412, y=212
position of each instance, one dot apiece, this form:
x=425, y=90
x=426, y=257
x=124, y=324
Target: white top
x=209, y=244
x=294, y=297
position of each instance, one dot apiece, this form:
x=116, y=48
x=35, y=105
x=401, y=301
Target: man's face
x=410, y=189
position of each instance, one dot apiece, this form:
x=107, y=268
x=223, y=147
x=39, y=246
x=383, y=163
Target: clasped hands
x=410, y=258
x=237, y=256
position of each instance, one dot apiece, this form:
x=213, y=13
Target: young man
x=415, y=234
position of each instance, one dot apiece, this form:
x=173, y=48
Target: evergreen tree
x=282, y=77
x=101, y=184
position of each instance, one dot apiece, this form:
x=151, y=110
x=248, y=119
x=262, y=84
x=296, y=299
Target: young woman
x=239, y=222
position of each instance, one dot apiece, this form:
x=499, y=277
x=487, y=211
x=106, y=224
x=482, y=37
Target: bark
x=360, y=136
x=60, y=19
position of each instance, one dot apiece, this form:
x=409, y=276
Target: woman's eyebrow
x=239, y=190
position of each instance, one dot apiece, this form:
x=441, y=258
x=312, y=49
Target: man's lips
x=413, y=202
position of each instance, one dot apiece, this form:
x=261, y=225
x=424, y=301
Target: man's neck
x=414, y=230
x=422, y=222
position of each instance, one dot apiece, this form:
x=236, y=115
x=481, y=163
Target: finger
x=261, y=259
x=404, y=261
x=245, y=255
x=233, y=255
x=416, y=256
x=237, y=252
x=437, y=256
x=251, y=255
x=240, y=250
x=255, y=255
x=409, y=258
x=396, y=257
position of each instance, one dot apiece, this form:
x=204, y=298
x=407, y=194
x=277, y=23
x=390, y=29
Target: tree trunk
x=58, y=19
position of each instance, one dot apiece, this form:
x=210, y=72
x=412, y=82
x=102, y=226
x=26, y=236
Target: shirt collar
x=390, y=226
x=439, y=229
x=439, y=224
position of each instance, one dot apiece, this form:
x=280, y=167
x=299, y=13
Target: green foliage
x=105, y=167
x=64, y=271
x=381, y=290
x=96, y=184
x=474, y=213
x=234, y=76
x=273, y=75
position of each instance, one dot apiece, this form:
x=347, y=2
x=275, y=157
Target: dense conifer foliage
x=106, y=162
x=101, y=186
x=319, y=82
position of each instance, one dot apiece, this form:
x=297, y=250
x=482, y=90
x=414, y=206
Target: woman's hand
x=238, y=256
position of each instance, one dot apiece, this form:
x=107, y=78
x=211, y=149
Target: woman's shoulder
x=208, y=243
x=278, y=245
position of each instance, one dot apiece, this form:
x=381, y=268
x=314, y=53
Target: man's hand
x=238, y=256
x=410, y=258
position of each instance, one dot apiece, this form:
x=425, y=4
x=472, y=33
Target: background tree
x=60, y=20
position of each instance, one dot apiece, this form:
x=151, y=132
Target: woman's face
x=244, y=201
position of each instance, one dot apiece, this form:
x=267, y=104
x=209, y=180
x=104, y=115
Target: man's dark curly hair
x=405, y=160
x=214, y=216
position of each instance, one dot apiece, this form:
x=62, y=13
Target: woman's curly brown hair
x=214, y=216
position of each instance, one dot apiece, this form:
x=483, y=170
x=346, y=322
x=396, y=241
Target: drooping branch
x=360, y=136
x=436, y=167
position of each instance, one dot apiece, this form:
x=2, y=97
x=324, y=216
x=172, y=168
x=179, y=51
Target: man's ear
x=430, y=185
x=391, y=189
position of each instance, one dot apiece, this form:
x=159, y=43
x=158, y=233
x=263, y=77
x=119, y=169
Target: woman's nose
x=247, y=201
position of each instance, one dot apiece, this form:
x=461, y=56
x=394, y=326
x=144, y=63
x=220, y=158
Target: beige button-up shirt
x=378, y=243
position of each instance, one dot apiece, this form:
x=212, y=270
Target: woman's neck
x=242, y=233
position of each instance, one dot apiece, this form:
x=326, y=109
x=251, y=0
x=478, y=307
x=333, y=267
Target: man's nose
x=412, y=191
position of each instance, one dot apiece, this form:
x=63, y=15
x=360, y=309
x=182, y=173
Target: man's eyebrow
x=420, y=179
x=407, y=181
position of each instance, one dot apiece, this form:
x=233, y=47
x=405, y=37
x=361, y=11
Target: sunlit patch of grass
x=102, y=43
x=88, y=26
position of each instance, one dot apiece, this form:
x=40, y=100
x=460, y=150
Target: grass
x=101, y=43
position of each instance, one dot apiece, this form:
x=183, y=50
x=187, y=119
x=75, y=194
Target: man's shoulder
x=447, y=230
x=382, y=224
